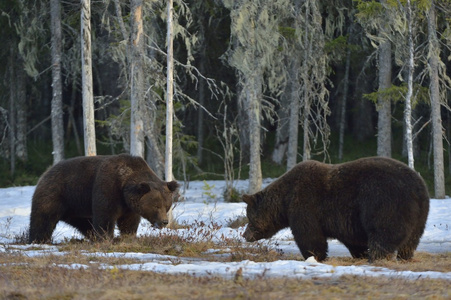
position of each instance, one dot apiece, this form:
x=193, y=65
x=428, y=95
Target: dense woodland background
x=258, y=85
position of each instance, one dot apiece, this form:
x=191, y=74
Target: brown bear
x=95, y=193
x=375, y=206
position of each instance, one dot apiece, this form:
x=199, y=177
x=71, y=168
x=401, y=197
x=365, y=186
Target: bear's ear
x=173, y=186
x=143, y=187
x=249, y=199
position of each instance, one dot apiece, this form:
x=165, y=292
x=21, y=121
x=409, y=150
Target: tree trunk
x=253, y=92
x=281, y=143
x=87, y=86
x=408, y=102
x=384, y=105
x=243, y=122
x=57, y=84
x=72, y=118
x=21, y=108
x=293, y=129
x=202, y=86
x=306, y=152
x=434, y=89
x=154, y=156
x=169, y=92
x=169, y=101
x=343, y=103
x=137, y=80
x=12, y=112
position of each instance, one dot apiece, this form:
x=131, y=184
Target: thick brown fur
x=95, y=193
x=375, y=206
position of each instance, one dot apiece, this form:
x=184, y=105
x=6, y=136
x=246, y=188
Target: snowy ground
x=203, y=204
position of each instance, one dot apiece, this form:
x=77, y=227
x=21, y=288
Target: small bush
x=232, y=195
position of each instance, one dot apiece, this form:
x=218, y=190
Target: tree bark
x=57, y=85
x=343, y=103
x=169, y=101
x=202, y=87
x=169, y=92
x=408, y=101
x=434, y=90
x=154, y=156
x=306, y=152
x=87, y=85
x=137, y=80
x=281, y=143
x=293, y=129
x=243, y=122
x=21, y=108
x=253, y=92
x=12, y=112
x=384, y=105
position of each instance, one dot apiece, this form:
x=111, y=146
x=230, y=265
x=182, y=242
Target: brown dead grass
x=421, y=262
x=36, y=281
x=47, y=276
x=44, y=277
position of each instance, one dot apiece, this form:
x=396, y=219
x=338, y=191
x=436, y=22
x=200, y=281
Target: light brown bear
x=374, y=206
x=95, y=193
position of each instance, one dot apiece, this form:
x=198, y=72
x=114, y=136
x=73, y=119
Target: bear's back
x=361, y=185
x=374, y=175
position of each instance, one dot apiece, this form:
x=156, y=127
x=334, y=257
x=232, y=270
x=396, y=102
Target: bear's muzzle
x=249, y=235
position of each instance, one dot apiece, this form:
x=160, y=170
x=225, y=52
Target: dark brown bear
x=95, y=193
x=374, y=206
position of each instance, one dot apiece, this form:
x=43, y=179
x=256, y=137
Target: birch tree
x=57, y=85
x=169, y=100
x=410, y=70
x=169, y=92
x=87, y=86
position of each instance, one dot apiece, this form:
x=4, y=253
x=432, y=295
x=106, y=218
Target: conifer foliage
x=293, y=79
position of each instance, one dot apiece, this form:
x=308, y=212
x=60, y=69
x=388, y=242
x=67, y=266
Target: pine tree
x=87, y=85
x=137, y=79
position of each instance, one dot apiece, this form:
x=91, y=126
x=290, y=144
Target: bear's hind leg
x=380, y=248
x=83, y=225
x=357, y=251
x=41, y=227
x=128, y=224
x=406, y=250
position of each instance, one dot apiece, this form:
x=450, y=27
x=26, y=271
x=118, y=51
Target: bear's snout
x=161, y=224
x=249, y=235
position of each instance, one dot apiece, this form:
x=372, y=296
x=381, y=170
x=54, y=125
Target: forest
x=255, y=86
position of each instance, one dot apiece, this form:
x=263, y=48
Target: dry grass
x=48, y=276
x=421, y=262
x=43, y=277
x=43, y=281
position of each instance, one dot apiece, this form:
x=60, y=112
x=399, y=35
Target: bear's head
x=152, y=200
x=261, y=218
